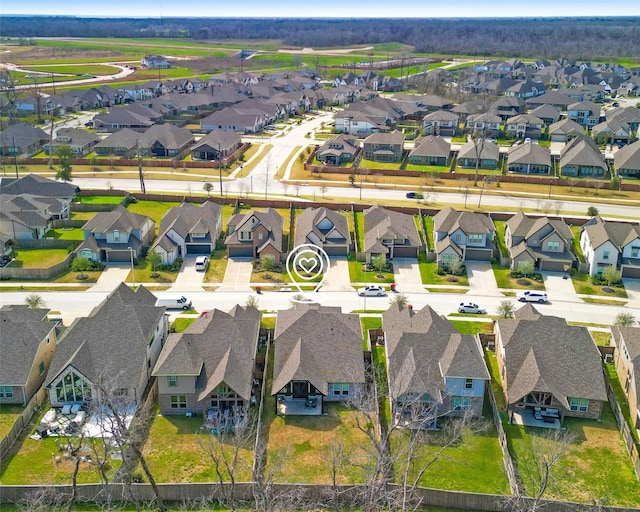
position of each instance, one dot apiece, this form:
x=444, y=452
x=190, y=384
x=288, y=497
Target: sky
x=323, y=9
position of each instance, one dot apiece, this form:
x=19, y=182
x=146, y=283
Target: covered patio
x=528, y=417
x=289, y=406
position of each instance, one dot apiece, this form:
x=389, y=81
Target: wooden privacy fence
x=627, y=435
x=21, y=422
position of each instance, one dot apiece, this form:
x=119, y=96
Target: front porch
x=286, y=405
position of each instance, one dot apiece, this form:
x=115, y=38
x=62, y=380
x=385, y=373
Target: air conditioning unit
x=608, y=358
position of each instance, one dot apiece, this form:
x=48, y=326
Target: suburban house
x=508, y=106
x=21, y=139
x=31, y=203
x=113, y=350
x=28, y=341
x=325, y=228
x=188, y=229
x=390, y=233
x=463, y=235
x=441, y=122
x=626, y=340
x=486, y=123
x=155, y=62
x=254, y=234
x=581, y=158
x=235, y=120
x=553, y=98
x=119, y=118
x=317, y=358
x=120, y=144
x=81, y=142
x=549, y=369
x=209, y=366
x=487, y=151
x=464, y=110
x=216, y=145
x=548, y=113
x=430, y=150
x=565, y=130
x=547, y=243
x=616, y=244
x=585, y=113
x=612, y=131
x=529, y=158
x=116, y=236
x=165, y=141
x=627, y=161
x=526, y=89
x=339, y=149
x=384, y=147
x=433, y=371
x=524, y=125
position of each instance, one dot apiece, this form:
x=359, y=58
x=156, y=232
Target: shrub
x=174, y=267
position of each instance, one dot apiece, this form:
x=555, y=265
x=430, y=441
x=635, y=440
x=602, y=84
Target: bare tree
x=479, y=142
x=557, y=206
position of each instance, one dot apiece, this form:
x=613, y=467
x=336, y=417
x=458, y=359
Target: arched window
x=72, y=388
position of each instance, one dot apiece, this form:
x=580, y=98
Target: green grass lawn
x=8, y=416
x=38, y=258
x=372, y=164
x=466, y=327
x=369, y=322
x=358, y=227
x=576, y=230
x=99, y=199
x=504, y=281
x=142, y=273
x=358, y=275
x=500, y=226
x=217, y=266
x=153, y=209
x=181, y=323
x=66, y=234
x=428, y=227
x=428, y=272
x=583, y=285
x=176, y=451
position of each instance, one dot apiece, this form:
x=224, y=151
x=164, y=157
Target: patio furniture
x=311, y=401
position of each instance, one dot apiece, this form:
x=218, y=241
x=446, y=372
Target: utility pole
x=266, y=180
x=220, y=167
x=140, y=175
x=15, y=154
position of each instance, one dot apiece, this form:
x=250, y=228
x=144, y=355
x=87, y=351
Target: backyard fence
x=629, y=441
x=21, y=422
x=39, y=273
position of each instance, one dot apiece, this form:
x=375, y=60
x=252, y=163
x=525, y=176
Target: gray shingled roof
x=394, y=138
x=488, y=150
x=307, y=223
x=23, y=134
x=448, y=220
x=38, y=186
x=432, y=145
x=566, y=126
x=118, y=219
x=168, y=135
x=21, y=332
x=543, y=353
x=423, y=349
x=318, y=344
x=270, y=219
x=628, y=157
x=113, y=340
x=529, y=153
x=187, y=218
x=582, y=151
x=217, y=348
x=380, y=223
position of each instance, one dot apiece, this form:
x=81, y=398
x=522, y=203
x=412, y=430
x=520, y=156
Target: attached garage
x=478, y=254
x=118, y=256
x=553, y=265
x=630, y=271
x=240, y=252
x=336, y=250
x=199, y=249
x=405, y=252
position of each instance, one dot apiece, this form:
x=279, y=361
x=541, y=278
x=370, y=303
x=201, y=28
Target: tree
x=624, y=319
x=35, y=301
x=506, y=309
x=207, y=186
x=81, y=265
x=479, y=141
x=400, y=299
x=267, y=262
x=610, y=275
x=615, y=183
x=154, y=259
x=526, y=267
x=455, y=265
x=352, y=179
x=379, y=262
x=252, y=302
x=592, y=211
x=64, y=153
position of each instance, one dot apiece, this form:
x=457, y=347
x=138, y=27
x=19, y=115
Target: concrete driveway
x=407, y=275
x=237, y=276
x=337, y=279
x=559, y=288
x=188, y=279
x=111, y=277
x=482, y=281
x=632, y=287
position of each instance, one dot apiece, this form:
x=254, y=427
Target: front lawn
x=504, y=280
x=143, y=274
x=583, y=286
x=38, y=258
x=217, y=266
x=358, y=275
x=429, y=274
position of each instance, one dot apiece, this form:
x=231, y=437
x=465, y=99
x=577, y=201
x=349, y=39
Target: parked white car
x=532, y=296
x=201, y=263
x=470, y=307
x=372, y=290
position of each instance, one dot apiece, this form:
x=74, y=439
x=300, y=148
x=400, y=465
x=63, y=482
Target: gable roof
x=217, y=348
x=432, y=145
x=449, y=220
x=521, y=225
x=22, y=135
x=168, y=135
x=424, y=349
x=307, y=223
x=488, y=150
x=187, y=218
x=529, y=153
x=112, y=341
x=582, y=151
x=38, y=186
x=628, y=157
x=270, y=219
x=119, y=219
x=318, y=344
x=380, y=223
x=545, y=354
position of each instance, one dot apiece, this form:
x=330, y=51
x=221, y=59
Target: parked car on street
x=470, y=307
x=531, y=296
x=372, y=290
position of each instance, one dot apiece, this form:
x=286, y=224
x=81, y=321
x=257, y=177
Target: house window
x=172, y=380
x=605, y=255
x=178, y=401
x=245, y=235
x=260, y=236
x=197, y=235
x=579, y=404
x=461, y=403
x=340, y=389
x=6, y=392
x=635, y=252
x=553, y=246
x=41, y=367
x=116, y=235
x=221, y=390
x=474, y=238
x=72, y=388
x=468, y=383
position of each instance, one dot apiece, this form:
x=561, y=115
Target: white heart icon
x=308, y=264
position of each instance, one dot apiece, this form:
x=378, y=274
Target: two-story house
x=384, y=147
x=325, y=228
x=254, y=234
x=547, y=243
x=585, y=113
x=611, y=244
x=188, y=229
x=549, y=369
x=626, y=340
x=565, y=130
x=390, y=233
x=433, y=370
x=524, y=125
x=116, y=236
x=209, y=366
x=486, y=123
x=463, y=235
x=440, y=122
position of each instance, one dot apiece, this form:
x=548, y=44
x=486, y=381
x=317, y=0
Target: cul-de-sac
x=298, y=263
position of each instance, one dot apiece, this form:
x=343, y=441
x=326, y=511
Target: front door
x=300, y=389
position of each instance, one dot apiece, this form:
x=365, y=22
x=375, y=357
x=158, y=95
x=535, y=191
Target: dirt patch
x=45, y=53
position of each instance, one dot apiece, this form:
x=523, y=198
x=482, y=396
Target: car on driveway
x=532, y=296
x=372, y=290
x=201, y=263
x=470, y=307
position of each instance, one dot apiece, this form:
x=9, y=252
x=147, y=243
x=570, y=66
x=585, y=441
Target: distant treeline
x=579, y=38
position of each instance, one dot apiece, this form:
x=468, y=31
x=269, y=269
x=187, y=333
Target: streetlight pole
x=133, y=272
x=220, y=167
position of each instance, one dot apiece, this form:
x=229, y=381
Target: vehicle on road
x=470, y=307
x=175, y=303
x=202, y=262
x=532, y=296
x=412, y=195
x=372, y=290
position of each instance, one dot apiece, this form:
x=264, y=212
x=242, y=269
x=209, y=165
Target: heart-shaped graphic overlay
x=305, y=263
